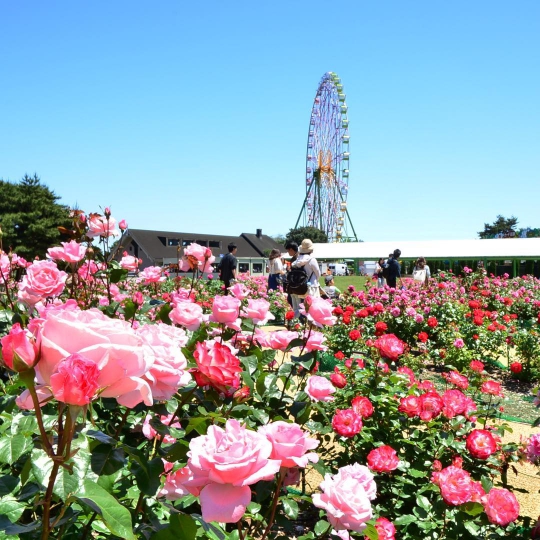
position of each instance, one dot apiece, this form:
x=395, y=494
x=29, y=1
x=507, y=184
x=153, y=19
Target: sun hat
x=328, y=279
x=306, y=246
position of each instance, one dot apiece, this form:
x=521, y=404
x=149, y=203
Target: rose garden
x=157, y=407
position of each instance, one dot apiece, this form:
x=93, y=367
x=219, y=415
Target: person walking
x=311, y=266
x=228, y=267
x=378, y=274
x=421, y=271
x=394, y=269
x=275, y=270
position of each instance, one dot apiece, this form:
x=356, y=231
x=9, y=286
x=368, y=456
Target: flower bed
x=156, y=408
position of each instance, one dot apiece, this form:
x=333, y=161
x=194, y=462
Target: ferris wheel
x=327, y=163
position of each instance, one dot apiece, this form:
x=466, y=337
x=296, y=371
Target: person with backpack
x=421, y=272
x=394, y=270
x=303, y=278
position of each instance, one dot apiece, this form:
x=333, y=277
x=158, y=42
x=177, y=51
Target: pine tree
x=30, y=216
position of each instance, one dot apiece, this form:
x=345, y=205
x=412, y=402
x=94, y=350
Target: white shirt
x=311, y=266
x=275, y=266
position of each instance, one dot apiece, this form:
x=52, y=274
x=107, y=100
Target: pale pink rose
x=281, y=339
x=315, y=341
x=319, y=312
x=24, y=401
x=258, y=311
x=19, y=349
x=233, y=458
x=261, y=337
x=168, y=366
x=75, y=380
x=5, y=266
x=110, y=343
x=88, y=270
x=42, y=280
x=180, y=483
x=319, y=388
x=346, y=497
x=239, y=290
x=128, y=262
x=152, y=274
x=99, y=225
x=150, y=433
x=55, y=305
x=290, y=444
x=187, y=314
x=225, y=310
x=182, y=295
x=71, y=252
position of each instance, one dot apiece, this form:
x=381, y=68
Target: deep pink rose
x=390, y=347
x=501, y=506
x=99, y=225
x=346, y=497
x=217, y=367
x=71, y=252
x=456, y=402
x=410, y=405
x=431, y=405
x=187, y=314
x=225, y=310
x=168, y=366
x=122, y=225
x=492, y=387
x=385, y=529
x=290, y=444
x=481, y=443
x=75, y=380
x=346, y=423
x=362, y=405
x=319, y=388
x=533, y=448
x=319, y=312
x=383, y=459
x=258, y=311
x=19, y=349
x=233, y=459
x=455, y=484
x=42, y=280
x=338, y=379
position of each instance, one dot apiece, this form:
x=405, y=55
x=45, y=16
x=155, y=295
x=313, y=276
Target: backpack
x=385, y=270
x=297, y=281
x=419, y=274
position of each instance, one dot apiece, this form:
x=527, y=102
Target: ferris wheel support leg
x=303, y=206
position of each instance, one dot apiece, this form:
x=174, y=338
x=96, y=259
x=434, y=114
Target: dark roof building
x=158, y=248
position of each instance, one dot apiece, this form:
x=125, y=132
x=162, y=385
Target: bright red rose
x=362, y=406
x=481, y=444
x=339, y=355
x=383, y=459
x=516, y=367
x=337, y=378
x=338, y=311
x=346, y=423
x=477, y=366
x=410, y=405
x=423, y=337
x=381, y=326
x=289, y=316
x=390, y=347
x=354, y=334
x=501, y=506
x=432, y=322
x=363, y=313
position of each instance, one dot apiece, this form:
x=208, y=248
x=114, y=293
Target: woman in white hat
x=311, y=266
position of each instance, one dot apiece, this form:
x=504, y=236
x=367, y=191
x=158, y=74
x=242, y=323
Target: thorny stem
x=274, y=504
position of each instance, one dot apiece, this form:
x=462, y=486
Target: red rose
x=410, y=405
x=432, y=322
x=491, y=387
x=338, y=311
x=217, y=367
x=456, y=402
x=346, y=319
x=455, y=484
x=516, y=367
x=363, y=313
x=354, y=334
x=289, y=316
x=501, y=506
x=339, y=355
x=362, y=406
x=383, y=459
x=390, y=346
x=481, y=444
x=346, y=423
x=423, y=337
x=431, y=405
x=338, y=379
x=381, y=326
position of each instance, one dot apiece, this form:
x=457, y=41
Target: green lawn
x=342, y=282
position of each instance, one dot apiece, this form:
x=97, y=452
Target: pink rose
x=75, y=380
x=19, y=349
x=492, y=387
x=225, y=311
x=233, y=459
x=110, y=343
x=217, y=367
x=122, y=225
x=314, y=341
x=128, y=262
x=383, y=459
x=390, y=347
x=42, y=280
x=239, y=291
x=455, y=484
x=410, y=405
x=88, y=270
x=385, y=529
x=290, y=444
x=258, y=311
x=5, y=266
x=319, y=312
x=280, y=340
x=319, y=388
x=431, y=405
x=187, y=314
x=362, y=406
x=501, y=506
x=456, y=402
x=99, y=225
x=533, y=448
x=481, y=443
x=71, y=252
x=152, y=274
x=168, y=365
x=346, y=423
x=150, y=433
x=183, y=482
x=346, y=498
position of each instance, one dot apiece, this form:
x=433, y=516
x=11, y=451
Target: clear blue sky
x=193, y=116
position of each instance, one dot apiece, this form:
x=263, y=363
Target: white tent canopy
x=501, y=248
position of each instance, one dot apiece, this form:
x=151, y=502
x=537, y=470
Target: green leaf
x=12, y=448
x=487, y=484
x=11, y=508
x=114, y=515
x=290, y=508
x=130, y=308
x=416, y=473
x=371, y=532
x=472, y=508
x=25, y=425
x=163, y=314
x=472, y=527
x=250, y=363
x=7, y=485
x=180, y=526
x=321, y=527
x=423, y=502
x=106, y=459
x=404, y=520
x=147, y=475
x=118, y=274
